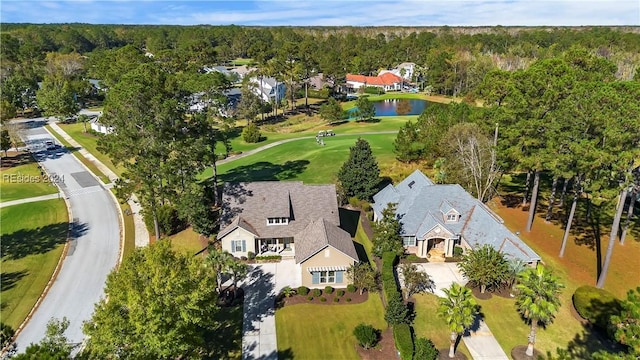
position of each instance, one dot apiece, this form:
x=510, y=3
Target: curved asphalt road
x=93, y=252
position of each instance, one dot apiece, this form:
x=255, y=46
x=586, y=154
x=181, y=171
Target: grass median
x=33, y=237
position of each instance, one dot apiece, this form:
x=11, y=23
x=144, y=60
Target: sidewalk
x=31, y=199
x=142, y=235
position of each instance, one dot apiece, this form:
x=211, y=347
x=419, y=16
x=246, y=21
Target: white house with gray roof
x=290, y=219
x=268, y=88
x=436, y=217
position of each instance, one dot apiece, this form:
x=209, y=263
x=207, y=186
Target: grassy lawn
x=89, y=164
x=303, y=160
x=427, y=324
x=90, y=143
x=129, y=230
x=242, y=61
x=309, y=331
x=22, y=165
x=186, y=241
x=362, y=238
x=33, y=237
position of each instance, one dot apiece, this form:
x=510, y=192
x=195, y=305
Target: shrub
x=244, y=258
x=309, y=297
x=169, y=222
x=316, y=292
x=457, y=251
x=404, y=341
x=251, y=133
x=340, y=292
x=336, y=299
x=328, y=290
x=351, y=288
x=389, y=285
x=251, y=255
x=425, y=350
x=303, y=290
x=347, y=299
x=269, y=258
x=323, y=299
x=596, y=305
x=288, y=291
x=366, y=335
x=373, y=90
x=396, y=311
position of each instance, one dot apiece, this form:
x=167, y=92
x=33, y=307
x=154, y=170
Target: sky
x=327, y=12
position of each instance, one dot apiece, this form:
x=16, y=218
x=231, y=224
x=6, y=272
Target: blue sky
x=327, y=12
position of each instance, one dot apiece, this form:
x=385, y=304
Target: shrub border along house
x=402, y=333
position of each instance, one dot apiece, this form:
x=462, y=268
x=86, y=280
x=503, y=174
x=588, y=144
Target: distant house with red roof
x=387, y=81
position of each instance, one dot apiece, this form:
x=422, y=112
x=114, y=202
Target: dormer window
x=278, y=221
x=452, y=217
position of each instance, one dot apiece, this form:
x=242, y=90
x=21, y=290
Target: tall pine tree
x=360, y=174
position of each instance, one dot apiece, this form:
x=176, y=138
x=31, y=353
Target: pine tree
x=359, y=175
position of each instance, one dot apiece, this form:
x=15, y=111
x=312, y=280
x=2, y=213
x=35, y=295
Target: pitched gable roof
x=318, y=235
x=254, y=202
x=380, y=80
x=478, y=225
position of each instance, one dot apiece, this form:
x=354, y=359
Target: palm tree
x=220, y=261
x=459, y=310
x=538, y=299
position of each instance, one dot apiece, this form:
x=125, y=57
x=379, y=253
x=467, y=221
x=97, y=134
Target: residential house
x=407, y=74
x=318, y=82
x=435, y=218
x=97, y=126
x=242, y=71
x=297, y=221
x=198, y=103
x=268, y=88
x=221, y=69
x=386, y=81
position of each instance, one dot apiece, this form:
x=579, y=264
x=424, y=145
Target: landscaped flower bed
x=327, y=296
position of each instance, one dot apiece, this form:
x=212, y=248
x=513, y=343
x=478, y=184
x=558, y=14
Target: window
x=278, y=221
x=238, y=246
x=327, y=277
x=409, y=240
x=452, y=217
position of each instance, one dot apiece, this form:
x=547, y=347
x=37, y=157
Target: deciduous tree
x=362, y=276
x=365, y=110
x=415, y=281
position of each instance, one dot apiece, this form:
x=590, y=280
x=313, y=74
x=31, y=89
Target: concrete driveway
x=93, y=252
x=262, y=285
x=443, y=275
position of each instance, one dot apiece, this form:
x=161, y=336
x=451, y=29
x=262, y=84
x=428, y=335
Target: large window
x=238, y=246
x=452, y=217
x=327, y=277
x=409, y=240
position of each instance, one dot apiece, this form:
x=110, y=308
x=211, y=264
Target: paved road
x=92, y=254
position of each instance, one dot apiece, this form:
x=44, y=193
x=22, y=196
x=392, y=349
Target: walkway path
x=480, y=341
x=31, y=199
x=142, y=235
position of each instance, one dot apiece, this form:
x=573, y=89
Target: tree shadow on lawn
x=226, y=339
x=16, y=159
x=265, y=171
x=585, y=344
x=9, y=279
x=26, y=242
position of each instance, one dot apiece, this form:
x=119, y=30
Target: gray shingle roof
x=318, y=235
x=422, y=205
x=254, y=202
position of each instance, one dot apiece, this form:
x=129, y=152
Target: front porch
x=436, y=249
x=275, y=246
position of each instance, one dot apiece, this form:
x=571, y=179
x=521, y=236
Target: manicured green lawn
x=309, y=331
x=129, y=230
x=303, y=160
x=33, y=237
x=90, y=143
x=22, y=180
x=362, y=238
x=428, y=325
x=186, y=241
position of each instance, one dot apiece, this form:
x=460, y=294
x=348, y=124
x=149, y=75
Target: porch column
x=448, y=249
x=420, y=247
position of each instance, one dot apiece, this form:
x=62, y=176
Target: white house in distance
x=409, y=69
x=387, y=81
x=97, y=126
x=268, y=88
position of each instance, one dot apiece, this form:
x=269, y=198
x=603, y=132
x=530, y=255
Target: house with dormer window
x=435, y=218
x=290, y=219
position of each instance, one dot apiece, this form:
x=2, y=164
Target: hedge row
x=404, y=341
x=389, y=284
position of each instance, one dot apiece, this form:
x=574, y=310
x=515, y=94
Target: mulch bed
x=501, y=292
x=444, y=355
x=518, y=353
x=355, y=297
x=384, y=350
x=577, y=316
x=477, y=294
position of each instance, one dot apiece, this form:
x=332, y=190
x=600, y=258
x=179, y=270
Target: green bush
x=303, y=290
x=269, y=257
x=323, y=299
x=169, y=222
x=251, y=133
x=366, y=335
x=351, y=288
x=328, y=290
x=340, y=292
x=596, y=305
x=251, y=255
x=396, y=311
x=347, y=299
x=457, y=251
x=404, y=341
x=316, y=292
x=373, y=90
x=309, y=297
x=389, y=285
x=425, y=350
x=336, y=299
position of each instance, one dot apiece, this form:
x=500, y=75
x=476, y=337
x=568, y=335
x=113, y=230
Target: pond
x=388, y=107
